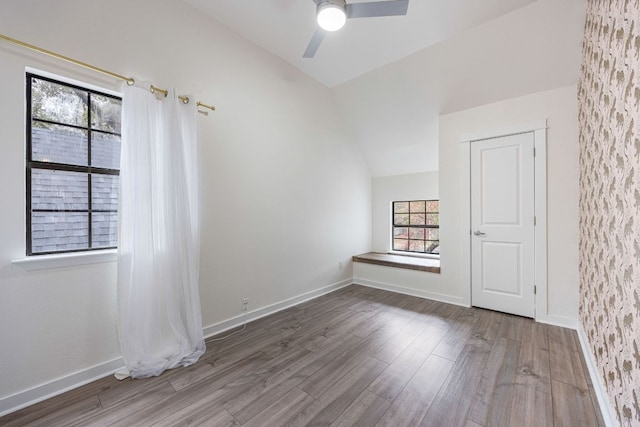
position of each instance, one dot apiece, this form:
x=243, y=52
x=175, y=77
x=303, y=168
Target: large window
x=416, y=226
x=73, y=162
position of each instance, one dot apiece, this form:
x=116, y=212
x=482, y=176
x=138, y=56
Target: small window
x=73, y=167
x=416, y=226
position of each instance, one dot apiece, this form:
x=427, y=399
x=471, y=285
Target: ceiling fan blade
x=377, y=8
x=314, y=44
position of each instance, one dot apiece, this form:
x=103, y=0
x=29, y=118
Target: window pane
x=63, y=121
x=432, y=234
x=105, y=113
x=401, y=207
x=105, y=150
x=433, y=206
x=401, y=219
x=104, y=192
x=400, y=244
x=416, y=206
x=62, y=104
x=417, y=219
x=104, y=229
x=401, y=232
x=59, y=231
x=416, y=233
x=412, y=222
x=433, y=248
x=59, y=190
x=416, y=245
x=59, y=144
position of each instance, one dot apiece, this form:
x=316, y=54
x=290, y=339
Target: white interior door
x=502, y=224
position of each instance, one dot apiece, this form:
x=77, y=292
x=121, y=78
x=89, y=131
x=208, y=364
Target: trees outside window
x=416, y=226
x=73, y=162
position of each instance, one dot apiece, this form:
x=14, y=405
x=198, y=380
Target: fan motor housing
x=325, y=3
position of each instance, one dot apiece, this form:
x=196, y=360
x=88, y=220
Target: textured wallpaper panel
x=609, y=134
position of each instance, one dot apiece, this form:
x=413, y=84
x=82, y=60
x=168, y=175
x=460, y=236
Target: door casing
x=539, y=129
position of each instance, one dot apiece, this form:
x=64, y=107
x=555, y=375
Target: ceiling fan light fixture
x=331, y=15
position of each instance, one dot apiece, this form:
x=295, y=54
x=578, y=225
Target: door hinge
x=534, y=151
x=535, y=289
x=535, y=221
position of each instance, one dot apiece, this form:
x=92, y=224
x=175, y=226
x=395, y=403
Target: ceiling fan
x=332, y=14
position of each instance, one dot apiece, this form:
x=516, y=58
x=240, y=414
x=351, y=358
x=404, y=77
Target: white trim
x=409, y=291
x=505, y=131
x=538, y=128
x=61, y=385
x=58, y=386
x=236, y=321
x=563, y=322
x=390, y=220
x=43, y=262
x=541, y=279
x=465, y=209
x=71, y=81
x=414, y=254
x=603, y=400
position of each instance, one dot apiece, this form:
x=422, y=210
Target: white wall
x=559, y=107
x=386, y=189
x=286, y=196
x=394, y=109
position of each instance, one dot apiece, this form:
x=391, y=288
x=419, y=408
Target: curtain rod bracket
x=210, y=107
x=154, y=89
x=130, y=80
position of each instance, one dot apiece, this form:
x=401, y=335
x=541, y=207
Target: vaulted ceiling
x=392, y=77
x=284, y=27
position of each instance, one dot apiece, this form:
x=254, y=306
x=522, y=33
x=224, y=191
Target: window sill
x=429, y=265
x=415, y=255
x=44, y=262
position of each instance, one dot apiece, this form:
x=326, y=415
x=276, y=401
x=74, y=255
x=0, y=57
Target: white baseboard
x=58, y=386
x=50, y=389
x=563, y=322
x=410, y=291
x=236, y=321
x=603, y=399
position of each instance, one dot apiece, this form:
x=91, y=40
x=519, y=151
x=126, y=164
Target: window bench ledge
x=429, y=265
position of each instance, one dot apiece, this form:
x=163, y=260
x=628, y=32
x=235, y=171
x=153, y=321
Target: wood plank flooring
x=355, y=357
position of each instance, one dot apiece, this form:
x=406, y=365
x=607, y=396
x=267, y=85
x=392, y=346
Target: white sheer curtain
x=159, y=307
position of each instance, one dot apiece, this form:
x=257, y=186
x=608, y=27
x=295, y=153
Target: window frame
x=65, y=167
x=424, y=226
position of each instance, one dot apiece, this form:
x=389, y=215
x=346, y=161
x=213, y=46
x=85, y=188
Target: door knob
x=478, y=233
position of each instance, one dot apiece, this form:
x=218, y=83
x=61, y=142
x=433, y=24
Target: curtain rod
x=129, y=80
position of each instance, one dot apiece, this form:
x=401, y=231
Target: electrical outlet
x=245, y=304
x=340, y=265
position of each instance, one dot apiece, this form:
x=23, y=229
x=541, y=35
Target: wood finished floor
x=355, y=357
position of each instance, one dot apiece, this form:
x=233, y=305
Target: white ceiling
x=393, y=77
x=284, y=27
